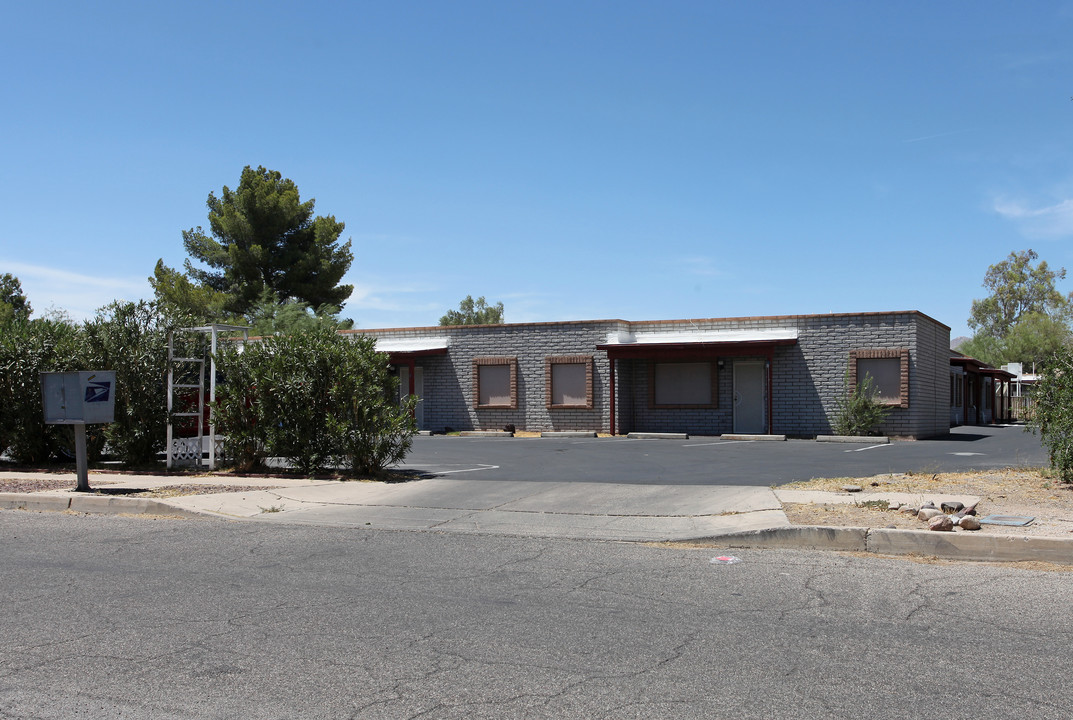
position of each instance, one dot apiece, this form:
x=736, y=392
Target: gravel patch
x=1019, y=492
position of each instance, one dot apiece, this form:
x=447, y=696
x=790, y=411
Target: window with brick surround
x=568, y=382
x=495, y=382
x=889, y=370
x=955, y=391
x=682, y=385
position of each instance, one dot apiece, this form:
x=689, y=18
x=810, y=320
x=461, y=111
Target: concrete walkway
x=724, y=516
x=593, y=511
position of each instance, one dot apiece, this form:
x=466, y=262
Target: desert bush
x=1052, y=415
x=131, y=339
x=317, y=399
x=28, y=348
x=859, y=410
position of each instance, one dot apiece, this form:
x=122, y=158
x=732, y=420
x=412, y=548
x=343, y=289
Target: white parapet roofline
x=412, y=344
x=702, y=336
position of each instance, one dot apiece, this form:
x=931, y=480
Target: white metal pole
x=212, y=401
x=171, y=389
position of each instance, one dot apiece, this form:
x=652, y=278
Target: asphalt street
x=715, y=461
x=137, y=618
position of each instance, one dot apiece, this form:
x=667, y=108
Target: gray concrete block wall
x=933, y=368
x=449, y=381
x=697, y=421
x=807, y=377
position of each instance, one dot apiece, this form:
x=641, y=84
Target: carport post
x=411, y=363
x=611, y=399
x=770, y=389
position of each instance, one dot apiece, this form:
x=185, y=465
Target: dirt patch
x=26, y=485
x=1030, y=493
x=169, y=491
x=30, y=485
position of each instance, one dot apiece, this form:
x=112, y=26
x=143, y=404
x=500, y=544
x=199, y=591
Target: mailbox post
x=78, y=398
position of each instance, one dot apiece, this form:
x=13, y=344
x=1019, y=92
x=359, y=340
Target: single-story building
x=979, y=394
x=777, y=375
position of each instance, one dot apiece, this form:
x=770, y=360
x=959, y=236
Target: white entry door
x=419, y=390
x=749, y=409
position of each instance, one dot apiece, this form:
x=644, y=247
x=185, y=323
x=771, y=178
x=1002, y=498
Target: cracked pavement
x=110, y=616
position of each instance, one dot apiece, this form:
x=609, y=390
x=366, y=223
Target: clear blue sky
x=574, y=160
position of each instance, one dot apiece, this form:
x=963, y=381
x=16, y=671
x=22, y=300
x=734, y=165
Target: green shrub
x=859, y=411
x=28, y=348
x=316, y=399
x=131, y=339
x=235, y=413
x=371, y=429
x=1052, y=416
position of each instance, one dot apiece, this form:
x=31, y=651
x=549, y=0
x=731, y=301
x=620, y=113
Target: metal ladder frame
x=213, y=330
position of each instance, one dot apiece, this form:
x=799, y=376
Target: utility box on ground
x=78, y=398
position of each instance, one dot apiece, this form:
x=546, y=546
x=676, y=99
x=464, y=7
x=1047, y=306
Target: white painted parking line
x=966, y=454
x=482, y=467
x=725, y=442
x=869, y=447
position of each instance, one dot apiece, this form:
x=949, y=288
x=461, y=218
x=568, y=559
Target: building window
x=568, y=381
x=889, y=370
x=682, y=385
x=495, y=382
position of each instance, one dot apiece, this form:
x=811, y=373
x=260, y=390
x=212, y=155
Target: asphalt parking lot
x=715, y=461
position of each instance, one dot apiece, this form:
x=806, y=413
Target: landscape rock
x=851, y=488
x=927, y=513
x=969, y=523
x=941, y=523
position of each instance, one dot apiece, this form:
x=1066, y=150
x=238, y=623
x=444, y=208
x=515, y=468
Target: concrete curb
x=878, y=440
x=98, y=504
x=923, y=543
x=568, y=434
x=766, y=438
x=656, y=436
x=486, y=433
x=949, y=546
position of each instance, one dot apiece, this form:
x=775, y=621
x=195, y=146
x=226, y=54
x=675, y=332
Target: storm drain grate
x=1014, y=520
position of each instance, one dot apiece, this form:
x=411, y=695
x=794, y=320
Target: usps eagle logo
x=98, y=391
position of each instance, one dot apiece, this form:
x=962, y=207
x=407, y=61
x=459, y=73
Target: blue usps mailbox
x=78, y=398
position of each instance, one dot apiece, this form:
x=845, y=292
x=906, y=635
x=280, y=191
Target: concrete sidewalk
x=592, y=511
x=723, y=516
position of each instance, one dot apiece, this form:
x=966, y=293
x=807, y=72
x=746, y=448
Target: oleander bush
x=317, y=399
x=1052, y=415
x=28, y=348
x=131, y=339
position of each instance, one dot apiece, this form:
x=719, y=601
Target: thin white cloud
x=79, y=294
x=1049, y=221
x=935, y=136
x=1018, y=61
x=700, y=265
x=41, y=273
